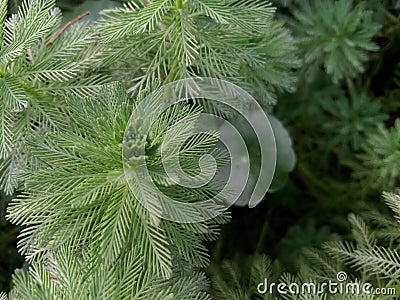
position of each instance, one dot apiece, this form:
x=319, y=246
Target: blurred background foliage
x=9, y=256
x=342, y=119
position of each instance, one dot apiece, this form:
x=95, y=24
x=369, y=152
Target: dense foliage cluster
x=328, y=72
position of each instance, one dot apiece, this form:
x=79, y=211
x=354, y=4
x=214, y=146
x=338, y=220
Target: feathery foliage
x=68, y=276
x=234, y=280
x=90, y=201
x=377, y=261
x=379, y=160
x=85, y=233
x=168, y=40
x=34, y=73
x=336, y=35
x=352, y=119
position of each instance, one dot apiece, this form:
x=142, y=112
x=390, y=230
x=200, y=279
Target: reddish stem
x=66, y=26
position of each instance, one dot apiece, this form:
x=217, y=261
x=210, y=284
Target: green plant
x=89, y=197
x=239, y=279
x=35, y=71
x=74, y=201
x=236, y=40
x=335, y=35
x=350, y=120
x=379, y=160
x=76, y=196
x=373, y=255
x=68, y=276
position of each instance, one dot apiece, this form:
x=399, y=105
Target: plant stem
x=66, y=26
x=263, y=233
x=216, y=252
x=179, y=4
x=350, y=86
x=390, y=16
